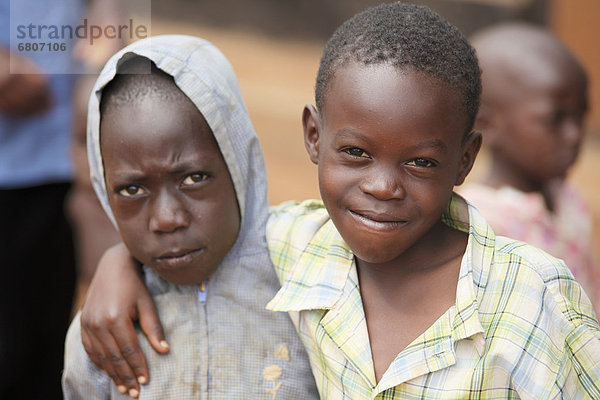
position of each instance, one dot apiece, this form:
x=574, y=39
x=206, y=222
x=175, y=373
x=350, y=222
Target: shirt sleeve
x=290, y=228
x=81, y=379
x=579, y=375
x=579, y=372
x=279, y=226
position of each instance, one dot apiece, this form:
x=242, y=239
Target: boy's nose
x=167, y=214
x=383, y=185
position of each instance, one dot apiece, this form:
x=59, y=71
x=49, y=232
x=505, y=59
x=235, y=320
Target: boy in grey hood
x=178, y=168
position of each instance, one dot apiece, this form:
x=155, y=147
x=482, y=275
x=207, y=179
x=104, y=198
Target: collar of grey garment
x=223, y=345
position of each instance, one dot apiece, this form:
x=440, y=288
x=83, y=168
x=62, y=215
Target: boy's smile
x=169, y=187
x=389, y=146
x=377, y=221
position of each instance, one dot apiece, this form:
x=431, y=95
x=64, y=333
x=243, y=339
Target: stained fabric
x=227, y=346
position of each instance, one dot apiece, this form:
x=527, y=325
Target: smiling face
x=389, y=148
x=169, y=187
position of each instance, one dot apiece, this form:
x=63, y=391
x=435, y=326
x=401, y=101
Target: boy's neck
x=501, y=175
x=405, y=297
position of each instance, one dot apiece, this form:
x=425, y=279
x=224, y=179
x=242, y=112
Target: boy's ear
x=311, y=125
x=470, y=149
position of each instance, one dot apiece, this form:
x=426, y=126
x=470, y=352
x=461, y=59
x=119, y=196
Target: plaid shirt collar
x=332, y=271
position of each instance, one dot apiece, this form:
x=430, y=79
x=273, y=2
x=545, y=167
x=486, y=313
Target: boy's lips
x=381, y=222
x=178, y=258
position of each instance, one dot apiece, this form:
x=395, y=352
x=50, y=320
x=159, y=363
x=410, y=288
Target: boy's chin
x=186, y=277
x=375, y=257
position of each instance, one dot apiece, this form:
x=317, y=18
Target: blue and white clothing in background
x=35, y=151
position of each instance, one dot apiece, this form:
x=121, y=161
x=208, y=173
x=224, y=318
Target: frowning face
x=169, y=188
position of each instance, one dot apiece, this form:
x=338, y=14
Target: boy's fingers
x=151, y=326
x=94, y=349
x=88, y=345
x=103, y=351
x=127, y=341
x=115, y=364
x=98, y=357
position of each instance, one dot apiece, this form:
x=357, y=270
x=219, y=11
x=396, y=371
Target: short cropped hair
x=136, y=78
x=408, y=37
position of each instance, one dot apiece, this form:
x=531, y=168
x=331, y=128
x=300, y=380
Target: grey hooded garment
x=226, y=346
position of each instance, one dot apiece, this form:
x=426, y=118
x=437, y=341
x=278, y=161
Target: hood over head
x=206, y=77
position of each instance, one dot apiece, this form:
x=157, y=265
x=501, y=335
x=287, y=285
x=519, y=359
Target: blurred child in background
x=534, y=102
x=38, y=266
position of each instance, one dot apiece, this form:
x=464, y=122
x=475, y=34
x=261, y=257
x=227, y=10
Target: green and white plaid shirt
x=521, y=327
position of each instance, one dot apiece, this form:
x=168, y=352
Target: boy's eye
x=131, y=190
x=356, y=152
x=194, y=178
x=421, y=162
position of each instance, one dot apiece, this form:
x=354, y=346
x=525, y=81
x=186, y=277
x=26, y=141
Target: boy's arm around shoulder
x=116, y=296
x=81, y=379
x=290, y=228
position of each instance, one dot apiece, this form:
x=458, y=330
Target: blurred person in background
x=534, y=104
x=36, y=172
x=36, y=242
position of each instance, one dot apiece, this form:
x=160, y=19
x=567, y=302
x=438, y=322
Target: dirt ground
x=277, y=79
